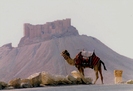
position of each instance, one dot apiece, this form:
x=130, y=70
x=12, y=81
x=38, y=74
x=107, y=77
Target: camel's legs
x=81, y=70
x=96, y=73
x=100, y=71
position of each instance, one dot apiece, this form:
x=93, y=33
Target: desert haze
x=39, y=50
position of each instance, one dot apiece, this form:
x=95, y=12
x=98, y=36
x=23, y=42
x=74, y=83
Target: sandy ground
x=122, y=87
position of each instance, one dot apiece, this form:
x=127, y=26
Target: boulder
x=78, y=75
x=129, y=82
x=35, y=80
x=74, y=80
x=3, y=85
x=47, y=79
x=61, y=80
x=41, y=79
x=25, y=83
x=15, y=83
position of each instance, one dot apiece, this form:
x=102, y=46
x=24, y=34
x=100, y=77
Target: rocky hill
x=40, y=48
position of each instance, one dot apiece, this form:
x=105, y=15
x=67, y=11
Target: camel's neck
x=70, y=61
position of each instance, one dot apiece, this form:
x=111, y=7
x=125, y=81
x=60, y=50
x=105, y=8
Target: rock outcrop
x=5, y=49
x=9, y=46
x=39, y=33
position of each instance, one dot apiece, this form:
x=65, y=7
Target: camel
x=97, y=66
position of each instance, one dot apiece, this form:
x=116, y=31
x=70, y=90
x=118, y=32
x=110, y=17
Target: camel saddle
x=90, y=62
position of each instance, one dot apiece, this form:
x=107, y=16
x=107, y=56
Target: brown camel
x=80, y=63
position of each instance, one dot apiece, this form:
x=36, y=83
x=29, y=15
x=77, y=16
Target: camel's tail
x=103, y=65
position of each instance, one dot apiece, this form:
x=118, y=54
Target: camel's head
x=67, y=57
x=65, y=54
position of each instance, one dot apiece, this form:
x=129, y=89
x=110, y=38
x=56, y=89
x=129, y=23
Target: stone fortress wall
x=42, y=32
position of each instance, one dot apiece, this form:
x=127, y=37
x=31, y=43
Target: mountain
x=40, y=48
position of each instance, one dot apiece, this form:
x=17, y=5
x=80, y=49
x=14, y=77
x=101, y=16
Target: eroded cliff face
x=39, y=33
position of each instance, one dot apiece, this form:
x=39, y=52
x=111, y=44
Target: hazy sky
x=110, y=21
